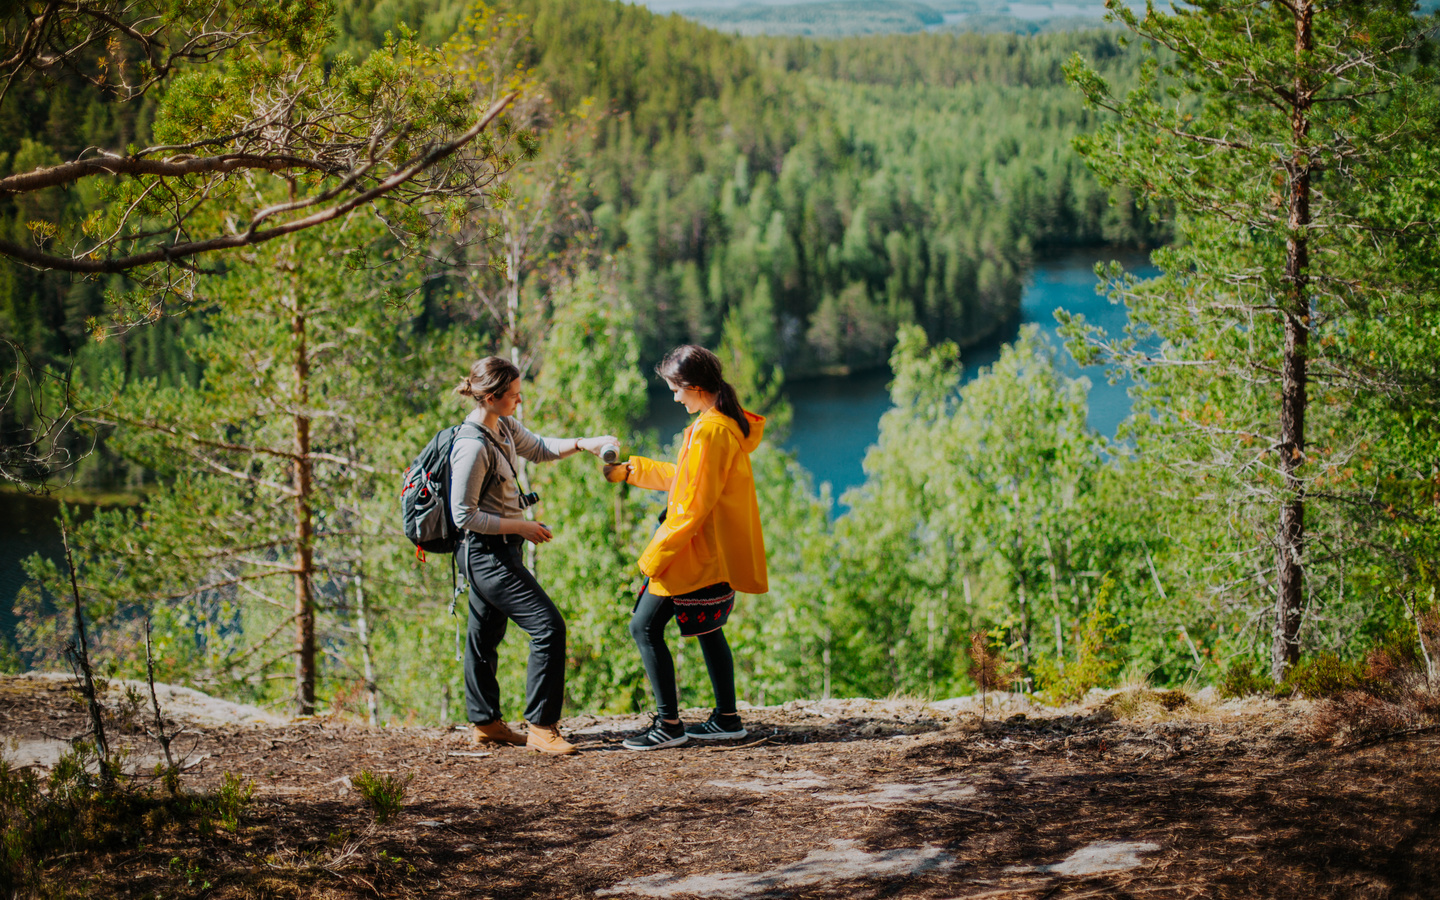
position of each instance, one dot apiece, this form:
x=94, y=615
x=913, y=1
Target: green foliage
x=231, y=99
x=74, y=811
x=1277, y=359
x=1377, y=670
x=1095, y=660
x=11, y=662
x=1245, y=678
x=189, y=870
x=277, y=485
x=384, y=794
x=815, y=194
x=798, y=198
x=984, y=502
x=232, y=800
x=21, y=802
x=803, y=206
x=1324, y=675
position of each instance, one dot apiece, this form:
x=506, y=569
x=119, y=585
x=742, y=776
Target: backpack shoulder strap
x=472, y=431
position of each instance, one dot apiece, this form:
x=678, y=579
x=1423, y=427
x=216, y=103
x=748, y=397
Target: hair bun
x=491, y=375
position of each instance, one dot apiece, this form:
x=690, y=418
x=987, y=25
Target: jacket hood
x=747, y=443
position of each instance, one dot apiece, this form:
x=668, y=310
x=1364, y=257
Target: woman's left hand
x=594, y=445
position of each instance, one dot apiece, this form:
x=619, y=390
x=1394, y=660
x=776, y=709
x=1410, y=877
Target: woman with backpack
x=708, y=545
x=487, y=504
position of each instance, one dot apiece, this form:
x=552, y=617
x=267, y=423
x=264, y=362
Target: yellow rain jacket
x=711, y=531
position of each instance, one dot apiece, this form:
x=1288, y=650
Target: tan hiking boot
x=547, y=739
x=496, y=732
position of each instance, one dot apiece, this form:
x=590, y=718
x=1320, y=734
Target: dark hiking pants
x=501, y=589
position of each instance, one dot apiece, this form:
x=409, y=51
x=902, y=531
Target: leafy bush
x=1391, y=692
x=1243, y=679
x=20, y=799
x=232, y=801
x=385, y=794
x=1324, y=676
x=76, y=811
x=1095, y=658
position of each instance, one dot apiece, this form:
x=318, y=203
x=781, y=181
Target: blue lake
x=838, y=419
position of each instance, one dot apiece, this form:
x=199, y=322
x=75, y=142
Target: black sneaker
x=659, y=734
x=718, y=728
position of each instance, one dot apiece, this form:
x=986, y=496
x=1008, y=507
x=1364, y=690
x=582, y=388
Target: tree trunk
x=304, y=526
x=1290, y=539
x=514, y=257
x=362, y=625
x=81, y=648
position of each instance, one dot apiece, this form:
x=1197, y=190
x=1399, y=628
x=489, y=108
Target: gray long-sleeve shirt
x=470, y=463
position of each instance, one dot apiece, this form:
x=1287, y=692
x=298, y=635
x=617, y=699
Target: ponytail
x=695, y=367
x=729, y=403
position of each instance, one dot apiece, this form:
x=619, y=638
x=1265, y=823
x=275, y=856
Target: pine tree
x=274, y=514
x=1272, y=127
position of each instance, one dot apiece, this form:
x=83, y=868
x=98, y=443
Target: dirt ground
x=829, y=799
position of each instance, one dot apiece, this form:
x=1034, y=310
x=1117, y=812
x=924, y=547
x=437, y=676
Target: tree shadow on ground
x=1313, y=823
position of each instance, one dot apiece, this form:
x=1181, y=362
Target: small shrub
x=1242, y=679
x=20, y=805
x=169, y=777
x=232, y=800
x=1144, y=703
x=989, y=668
x=189, y=870
x=1390, y=692
x=129, y=712
x=385, y=794
x=1324, y=676
x=1094, y=663
x=1393, y=662
x=74, y=812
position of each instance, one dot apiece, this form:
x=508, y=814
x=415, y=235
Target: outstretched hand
x=594, y=445
x=616, y=473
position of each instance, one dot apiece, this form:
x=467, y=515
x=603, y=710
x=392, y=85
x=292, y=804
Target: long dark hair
x=695, y=367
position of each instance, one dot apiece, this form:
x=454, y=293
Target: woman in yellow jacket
x=708, y=545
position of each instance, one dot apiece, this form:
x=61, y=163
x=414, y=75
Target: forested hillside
x=816, y=194
x=1268, y=520
x=758, y=187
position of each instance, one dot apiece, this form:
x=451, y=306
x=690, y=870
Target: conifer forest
x=248, y=249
